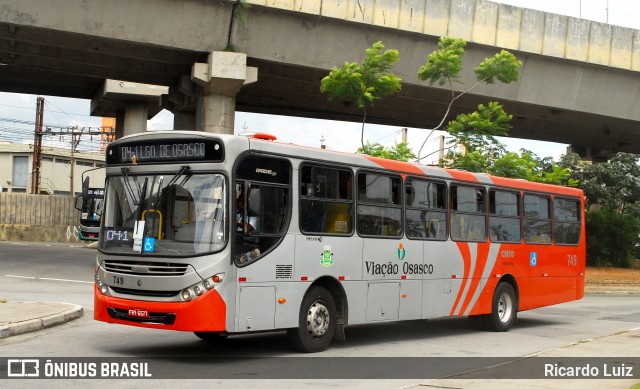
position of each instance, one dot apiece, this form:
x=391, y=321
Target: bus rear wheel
x=317, y=322
x=504, y=309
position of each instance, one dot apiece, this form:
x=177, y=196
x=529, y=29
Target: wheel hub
x=317, y=319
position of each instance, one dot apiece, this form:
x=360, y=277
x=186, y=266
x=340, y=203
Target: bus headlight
x=186, y=295
x=200, y=288
x=104, y=289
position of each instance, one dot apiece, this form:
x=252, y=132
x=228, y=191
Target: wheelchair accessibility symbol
x=148, y=245
x=533, y=259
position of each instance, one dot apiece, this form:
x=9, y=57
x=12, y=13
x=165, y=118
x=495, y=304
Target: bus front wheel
x=504, y=309
x=317, y=322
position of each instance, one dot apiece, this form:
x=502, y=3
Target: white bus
x=222, y=235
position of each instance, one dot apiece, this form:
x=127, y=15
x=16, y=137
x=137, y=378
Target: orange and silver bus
x=224, y=235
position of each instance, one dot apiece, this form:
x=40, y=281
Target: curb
x=41, y=323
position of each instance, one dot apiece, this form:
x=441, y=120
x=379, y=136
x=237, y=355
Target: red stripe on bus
x=466, y=258
x=396, y=165
x=482, y=254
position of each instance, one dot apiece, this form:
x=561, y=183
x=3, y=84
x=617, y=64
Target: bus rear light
x=341, y=278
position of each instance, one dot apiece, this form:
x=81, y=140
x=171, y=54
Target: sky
x=17, y=111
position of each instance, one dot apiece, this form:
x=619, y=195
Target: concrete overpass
x=580, y=79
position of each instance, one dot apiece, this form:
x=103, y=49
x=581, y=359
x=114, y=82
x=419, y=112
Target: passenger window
x=326, y=200
x=426, y=214
x=566, y=217
x=379, y=205
x=468, y=215
x=537, y=219
x=504, y=216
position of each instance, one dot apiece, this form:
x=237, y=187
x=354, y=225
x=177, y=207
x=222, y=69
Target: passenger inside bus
x=247, y=223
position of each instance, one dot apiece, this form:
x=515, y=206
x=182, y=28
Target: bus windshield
x=174, y=214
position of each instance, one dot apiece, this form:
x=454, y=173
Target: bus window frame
x=352, y=202
x=549, y=196
x=234, y=180
x=485, y=214
x=520, y=217
x=580, y=222
x=399, y=206
x=445, y=210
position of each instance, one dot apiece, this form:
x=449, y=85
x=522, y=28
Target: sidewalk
x=22, y=317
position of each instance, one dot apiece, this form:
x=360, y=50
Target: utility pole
x=74, y=144
x=37, y=147
x=404, y=135
x=76, y=133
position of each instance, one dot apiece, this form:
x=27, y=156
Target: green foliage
x=474, y=161
x=367, y=82
x=503, y=67
x=611, y=238
x=398, y=152
x=474, y=130
x=444, y=64
x=238, y=14
x=614, y=184
x=364, y=83
x=528, y=166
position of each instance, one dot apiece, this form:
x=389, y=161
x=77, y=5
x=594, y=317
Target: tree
x=612, y=191
x=364, y=83
x=443, y=66
x=398, y=152
x=612, y=238
x=614, y=184
x=528, y=166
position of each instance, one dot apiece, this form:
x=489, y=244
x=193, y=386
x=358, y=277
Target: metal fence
x=38, y=210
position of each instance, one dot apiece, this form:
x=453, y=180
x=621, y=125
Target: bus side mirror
x=78, y=203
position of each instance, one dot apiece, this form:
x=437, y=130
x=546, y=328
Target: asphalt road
x=35, y=272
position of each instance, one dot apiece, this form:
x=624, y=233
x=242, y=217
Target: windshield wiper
x=173, y=180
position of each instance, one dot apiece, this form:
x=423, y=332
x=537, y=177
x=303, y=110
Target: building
x=58, y=175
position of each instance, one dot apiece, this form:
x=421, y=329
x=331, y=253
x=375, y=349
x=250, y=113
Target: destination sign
x=163, y=150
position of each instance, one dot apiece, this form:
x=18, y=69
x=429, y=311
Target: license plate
x=138, y=312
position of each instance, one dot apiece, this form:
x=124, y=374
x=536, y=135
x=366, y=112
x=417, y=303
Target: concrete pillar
x=132, y=104
x=135, y=117
x=221, y=79
x=119, y=124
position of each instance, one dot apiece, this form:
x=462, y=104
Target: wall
x=38, y=218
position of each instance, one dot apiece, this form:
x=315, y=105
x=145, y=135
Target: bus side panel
x=269, y=272
x=356, y=292
x=443, y=285
x=554, y=275
x=337, y=256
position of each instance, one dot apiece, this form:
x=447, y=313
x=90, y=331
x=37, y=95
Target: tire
x=317, y=322
x=504, y=309
x=211, y=337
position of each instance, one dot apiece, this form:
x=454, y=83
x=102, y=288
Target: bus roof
x=269, y=145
